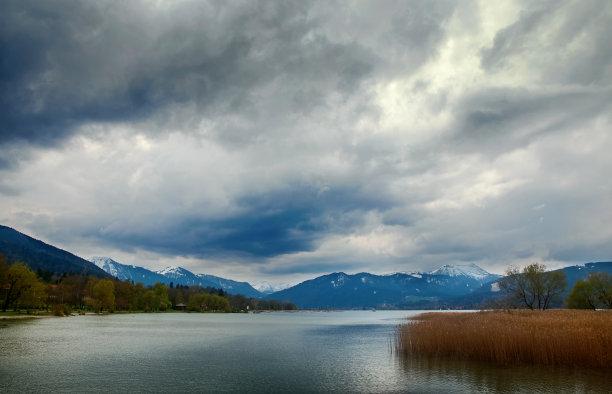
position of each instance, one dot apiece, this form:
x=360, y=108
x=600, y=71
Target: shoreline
x=22, y=317
x=47, y=316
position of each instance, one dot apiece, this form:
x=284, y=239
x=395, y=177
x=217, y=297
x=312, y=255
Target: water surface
x=269, y=352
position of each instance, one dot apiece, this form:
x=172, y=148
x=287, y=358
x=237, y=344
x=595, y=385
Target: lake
x=347, y=351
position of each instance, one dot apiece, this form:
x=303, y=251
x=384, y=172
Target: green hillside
x=39, y=255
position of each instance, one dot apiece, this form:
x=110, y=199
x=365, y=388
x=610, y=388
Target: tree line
x=22, y=288
x=535, y=288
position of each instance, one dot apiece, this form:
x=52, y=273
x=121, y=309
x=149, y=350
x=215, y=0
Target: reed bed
x=554, y=337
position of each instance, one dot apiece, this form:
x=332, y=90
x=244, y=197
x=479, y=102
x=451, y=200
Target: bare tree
x=533, y=287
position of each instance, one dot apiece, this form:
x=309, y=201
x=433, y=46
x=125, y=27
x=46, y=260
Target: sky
x=283, y=140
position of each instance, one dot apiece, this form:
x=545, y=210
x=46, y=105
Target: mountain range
x=400, y=290
x=333, y=291
x=174, y=275
x=450, y=286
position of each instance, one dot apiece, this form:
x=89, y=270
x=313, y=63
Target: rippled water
x=268, y=352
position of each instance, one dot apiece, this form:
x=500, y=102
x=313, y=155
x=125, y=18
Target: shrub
x=67, y=309
x=62, y=310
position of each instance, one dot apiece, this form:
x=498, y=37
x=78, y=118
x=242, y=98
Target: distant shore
x=41, y=316
x=45, y=315
x=19, y=317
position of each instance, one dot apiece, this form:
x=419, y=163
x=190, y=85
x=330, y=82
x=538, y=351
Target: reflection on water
x=469, y=376
x=276, y=352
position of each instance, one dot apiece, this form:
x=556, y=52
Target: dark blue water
x=268, y=352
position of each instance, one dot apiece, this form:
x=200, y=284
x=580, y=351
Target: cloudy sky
x=269, y=140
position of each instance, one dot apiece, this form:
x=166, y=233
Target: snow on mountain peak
x=174, y=270
x=99, y=261
x=268, y=287
x=107, y=264
x=414, y=274
x=470, y=270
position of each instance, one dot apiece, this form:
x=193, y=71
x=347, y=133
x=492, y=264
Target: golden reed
x=518, y=337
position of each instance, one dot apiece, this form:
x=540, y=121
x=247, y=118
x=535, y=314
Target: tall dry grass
x=552, y=337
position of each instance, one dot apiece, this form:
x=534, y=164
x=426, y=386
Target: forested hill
x=39, y=255
x=399, y=290
x=576, y=272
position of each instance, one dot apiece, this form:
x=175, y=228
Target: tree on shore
x=16, y=281
x=208, y=302
x=592, y=293
x=3, y=268
x=160, y=297
x=533, y=287
x=35, y=297
x=20, y=287
x=582, y=296
x=104, y=292
x=602, y=286
x=71, y=290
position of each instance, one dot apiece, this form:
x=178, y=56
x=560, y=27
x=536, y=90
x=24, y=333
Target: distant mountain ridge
x=400, y=290
x=176, y=275
x=131, y=272
x=337, y=290
x=36, y=254
x=450, y=286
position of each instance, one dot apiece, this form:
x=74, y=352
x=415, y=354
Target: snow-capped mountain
x=180, y=275
x=403, y=290
x=266, y=287
x=174, y=275
x=185, y=277
x=130, y=272
x=337, y=290
x=468, y=270
x=107, y=265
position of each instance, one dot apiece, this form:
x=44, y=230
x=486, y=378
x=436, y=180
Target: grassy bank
x=553, y=337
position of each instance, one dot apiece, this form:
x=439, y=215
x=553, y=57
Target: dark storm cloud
x=69, y=63
x=40, y=96
x=269, y=224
